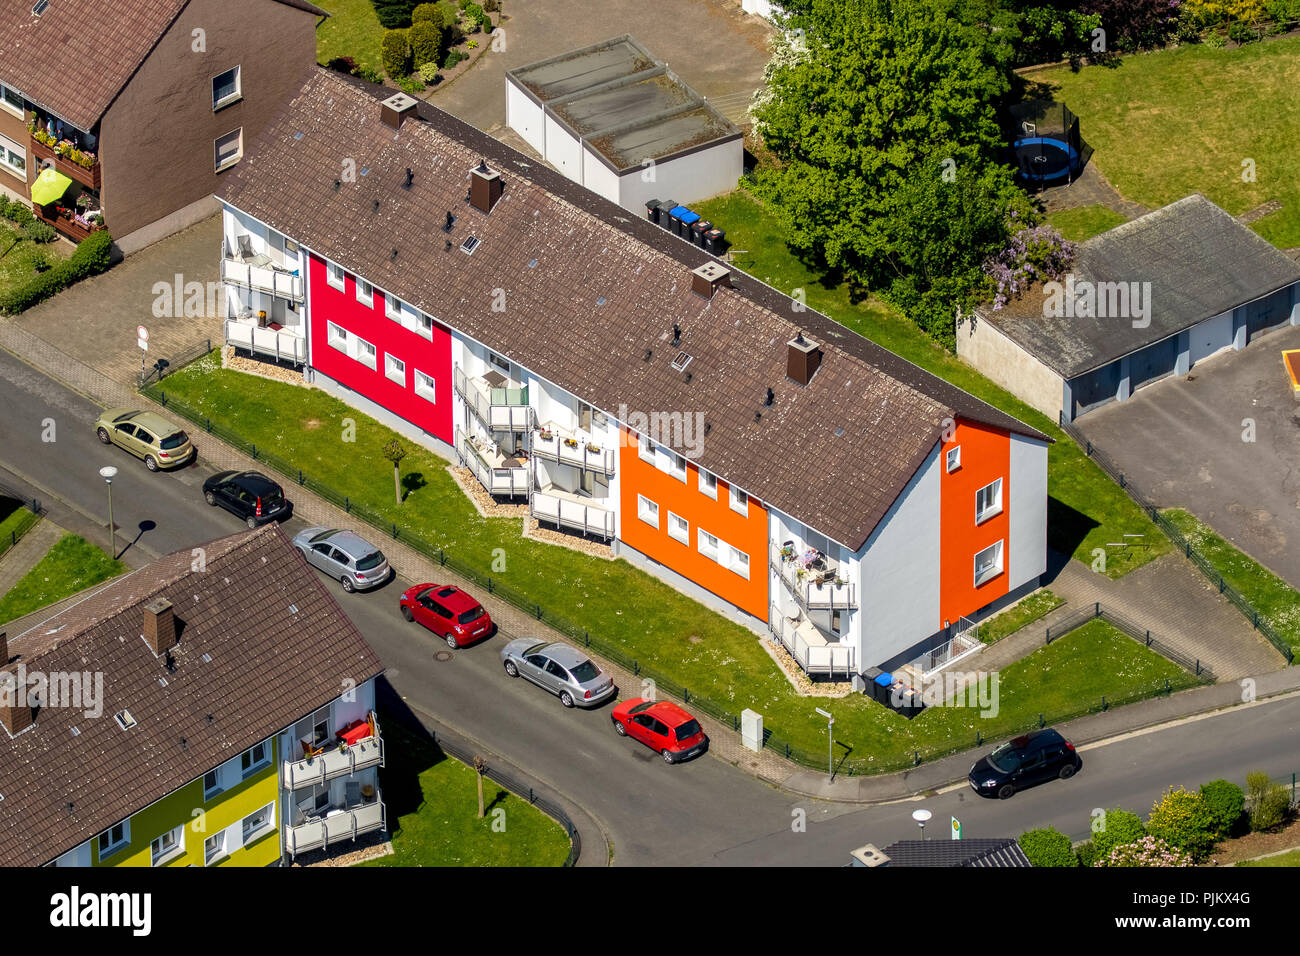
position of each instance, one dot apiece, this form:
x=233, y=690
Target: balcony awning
x=50, y=185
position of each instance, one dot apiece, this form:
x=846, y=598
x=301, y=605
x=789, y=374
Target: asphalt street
x=701, y=812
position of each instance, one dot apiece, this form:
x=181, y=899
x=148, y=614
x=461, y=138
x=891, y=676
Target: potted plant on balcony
x=593, y=448
x=570, y=443
x=545, y=434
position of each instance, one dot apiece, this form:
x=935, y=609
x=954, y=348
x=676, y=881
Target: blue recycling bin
x=688, y=220
x=880, y=688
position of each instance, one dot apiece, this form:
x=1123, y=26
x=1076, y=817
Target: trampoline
x=1044, y=159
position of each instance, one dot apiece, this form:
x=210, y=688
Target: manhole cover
x=442, y=656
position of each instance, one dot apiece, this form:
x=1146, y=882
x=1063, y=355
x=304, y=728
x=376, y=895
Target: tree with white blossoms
x=1149, y=851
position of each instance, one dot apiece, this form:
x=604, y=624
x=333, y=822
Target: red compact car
x=447, y=611
x=662, y=726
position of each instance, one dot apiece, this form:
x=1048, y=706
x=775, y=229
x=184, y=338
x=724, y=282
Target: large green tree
x=881, y=115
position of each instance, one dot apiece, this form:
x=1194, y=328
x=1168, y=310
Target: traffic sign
x=143, y=343
x=142, y=333
x=956, y=829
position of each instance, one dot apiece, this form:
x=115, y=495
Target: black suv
x=1037, y=757
x=249, y=495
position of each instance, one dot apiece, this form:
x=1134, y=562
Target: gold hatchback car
x=145, y=435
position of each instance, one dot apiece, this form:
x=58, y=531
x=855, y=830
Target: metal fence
x=1141, y=634
x=32, y=510
x=156, y=372
x=1181, y=542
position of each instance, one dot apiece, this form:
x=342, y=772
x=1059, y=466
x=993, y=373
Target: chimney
x=708, y=278
x=4, y=648
x=802, y=359
x=15, y=709
x=485, y=187
x=397, y=108
x=159, y=625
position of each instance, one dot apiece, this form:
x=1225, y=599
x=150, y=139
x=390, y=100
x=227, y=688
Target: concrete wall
x=563, y=150
x=525, y=117
x=690, y=178
x=1027, y=547
x=982, y=345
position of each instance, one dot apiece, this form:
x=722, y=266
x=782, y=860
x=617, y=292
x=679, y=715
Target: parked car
x=662, y=726
x=249, y=495
x=447, y=611
x=356, y=563
x=1027, y=761
x=559, y=668
x=145, y=435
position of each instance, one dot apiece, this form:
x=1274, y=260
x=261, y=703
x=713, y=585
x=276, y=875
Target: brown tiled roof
x=76, y=56
x=279, y=647
x=589, y=289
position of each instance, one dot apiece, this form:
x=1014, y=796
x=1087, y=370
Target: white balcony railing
x=564, y=512
x=335, y=762
x=281, y=343
x=264, y=278
x=335, y=826
x=488, y=466
x=501, y=409
x=814, y=654
x=570, y=449
x=820, y=587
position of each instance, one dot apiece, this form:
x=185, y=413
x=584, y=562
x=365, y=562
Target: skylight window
x=681, y=361
x=40, y=7
x=469, y=245
x=124, y=719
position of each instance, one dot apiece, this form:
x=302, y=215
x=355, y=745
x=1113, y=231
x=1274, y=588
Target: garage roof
x=1200, y=262
x=624, y=103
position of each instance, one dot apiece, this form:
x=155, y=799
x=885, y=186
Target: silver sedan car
x=559, y=668
x=356, y=563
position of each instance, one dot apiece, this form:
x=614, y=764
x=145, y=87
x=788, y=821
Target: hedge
x=1226, y=803
x=92, y=257
x=395, y=53
x=394, y=13
x=1048, y=847
x=426, y=43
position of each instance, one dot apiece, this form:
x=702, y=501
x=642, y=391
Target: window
x=739, y=501
x=214, y=847
x=678, y=468
x=393, y=307
x=256, y=823
x=499, y=362
x=708, y=544
x=12, y=100
x=709, y=484
x=646, y=449
x=366, y=354
x=425, y=386
x=13, y=156
x=988, y=501
x=254, y=759
x=395, y=369
x=679, y=528
x=954, y=458
x=171, y=844
x=338, y=336
x=738, y=561
x=334, y=274
x=425, y=327
x=647, y=510
x=225, y=89
x=114, y=838
x=988, y=564
x=211, y=784
x=365, y=293
x=229, y=149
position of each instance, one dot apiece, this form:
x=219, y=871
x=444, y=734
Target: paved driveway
x=711, y=44
x=1181, y=440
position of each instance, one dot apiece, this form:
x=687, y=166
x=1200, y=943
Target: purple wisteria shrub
x=1148, y=851
x=1035, y=254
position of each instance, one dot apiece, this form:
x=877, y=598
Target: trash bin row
x=685, y=224
x=884, y=688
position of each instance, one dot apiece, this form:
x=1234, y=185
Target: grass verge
x=1024, y=613
x=15, y=523
x=72, y=565
x=1084, y=222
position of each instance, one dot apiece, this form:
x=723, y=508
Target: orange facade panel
x=983, y=458
x=673, y=538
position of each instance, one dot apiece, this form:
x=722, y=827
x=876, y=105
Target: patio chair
x=246, y=254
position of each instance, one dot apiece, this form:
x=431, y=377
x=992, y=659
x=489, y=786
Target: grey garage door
x=1152, y=363
x=1268, y=313
x=1096, y=388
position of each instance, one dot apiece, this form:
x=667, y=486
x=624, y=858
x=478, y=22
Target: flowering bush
x=1183, y=820
x=1149, y=851
x=1034, y=254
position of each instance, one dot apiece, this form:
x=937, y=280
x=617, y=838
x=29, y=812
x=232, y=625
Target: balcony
x=335, y=761
x=816, y=581
x=282, y=344
x=569, y=449
x=500, y=405
x=809, y=647
x=335, y=825
x=267, y=278
x=65, y=221
x=564, y=509
x=74, y=171
x=499, y=474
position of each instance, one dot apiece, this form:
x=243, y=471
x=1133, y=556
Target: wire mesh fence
x=1127, y=626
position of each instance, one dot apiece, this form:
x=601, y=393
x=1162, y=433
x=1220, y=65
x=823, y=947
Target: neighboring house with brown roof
x=625, y=384
x=168, y=715
x=1148, y=299
x=142, y=104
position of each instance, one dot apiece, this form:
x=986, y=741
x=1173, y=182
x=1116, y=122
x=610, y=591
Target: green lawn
x=1275, y=600
x=433, y=813
x=650, y=621
x=15, y=521
x=351, y=30
x=1282, y=859
x=1024, y=613
x=1084, y=222
x=1086, y=510
x=72, y=565
x=18, y=255
x=1180, y=121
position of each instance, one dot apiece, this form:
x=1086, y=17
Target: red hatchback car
x=662, y=726
x=447, y=611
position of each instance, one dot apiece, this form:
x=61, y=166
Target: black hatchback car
x=1037, y=757
x=249, y=495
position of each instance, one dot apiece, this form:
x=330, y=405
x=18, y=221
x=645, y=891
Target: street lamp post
x=830, y=744
x=108, y=473
x=921, y=816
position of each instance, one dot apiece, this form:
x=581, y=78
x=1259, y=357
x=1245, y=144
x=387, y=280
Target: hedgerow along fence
x=609, y=649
